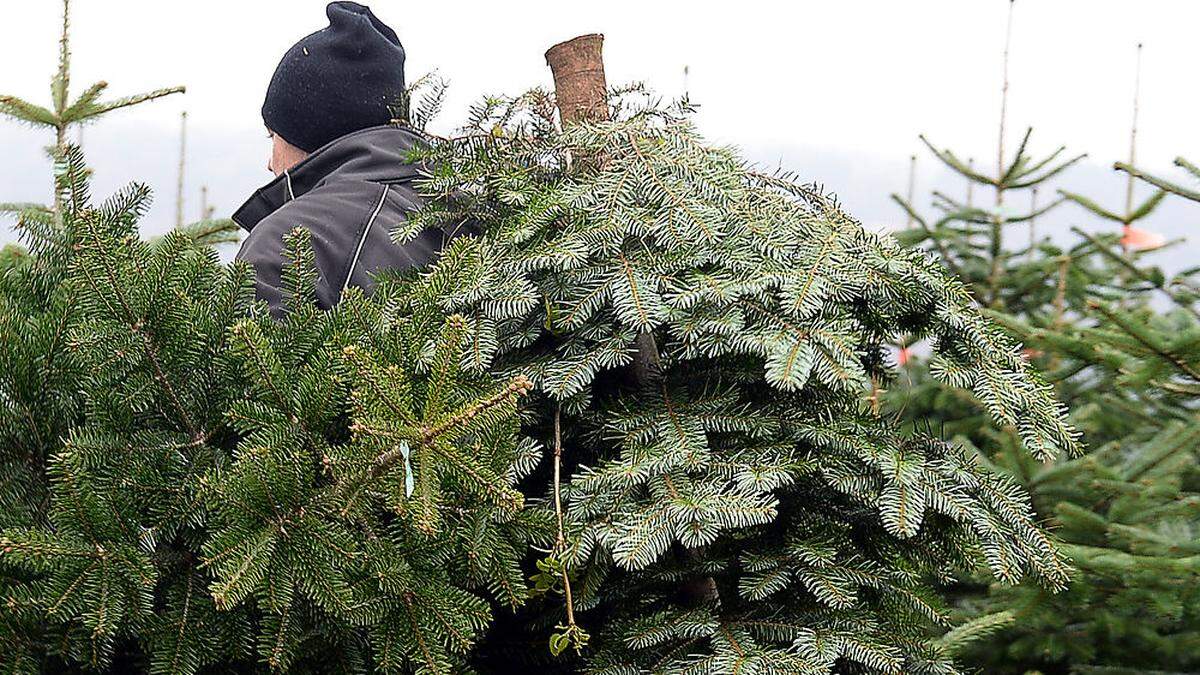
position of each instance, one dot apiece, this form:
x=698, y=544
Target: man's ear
x=284, y=155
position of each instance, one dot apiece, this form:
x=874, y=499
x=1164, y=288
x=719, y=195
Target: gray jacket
x=350, y=194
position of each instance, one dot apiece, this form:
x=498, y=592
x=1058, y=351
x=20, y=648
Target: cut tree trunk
x=579, y=84
x=581, y=91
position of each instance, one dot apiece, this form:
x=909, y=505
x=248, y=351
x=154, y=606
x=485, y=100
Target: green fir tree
x=63, y=114
x=192, y=483
x=1118, y=340
x=1128, y=512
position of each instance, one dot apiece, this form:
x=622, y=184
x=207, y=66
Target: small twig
x=970, y=184
x=873, y=398
x=1004, y=93
x=561, y=543
x=912, y=181
x=1032, y=223
x=1060, y=304
x=1060, y=293
x=182, y=164
x=996, y=269
x=1137, y=90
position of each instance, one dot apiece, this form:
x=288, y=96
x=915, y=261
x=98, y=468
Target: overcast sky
x=836, y=91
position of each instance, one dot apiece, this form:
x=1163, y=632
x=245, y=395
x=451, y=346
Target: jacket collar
x=375, y=154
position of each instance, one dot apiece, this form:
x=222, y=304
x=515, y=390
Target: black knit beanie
x=339, y=79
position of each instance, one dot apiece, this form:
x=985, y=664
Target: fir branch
x=1156, y=282
x=1160, y=183
x=24, y=111
x=1139, y=333
x=1188, y=166
x=428, y=436
x=136, y=325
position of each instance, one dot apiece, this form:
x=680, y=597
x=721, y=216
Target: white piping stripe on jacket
x=287, y=177
x=363, y=238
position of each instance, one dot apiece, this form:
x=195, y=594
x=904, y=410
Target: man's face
x=284, y=155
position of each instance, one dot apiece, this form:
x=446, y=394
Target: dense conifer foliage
x=634, y=426
x=638, y=409
x=1119, y=340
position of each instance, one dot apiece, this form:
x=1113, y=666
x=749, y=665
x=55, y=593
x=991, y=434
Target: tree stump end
x=579, y=82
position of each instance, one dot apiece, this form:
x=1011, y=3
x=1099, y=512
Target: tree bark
x=579, y=84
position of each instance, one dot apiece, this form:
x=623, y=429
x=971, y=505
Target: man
x=339, y=163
